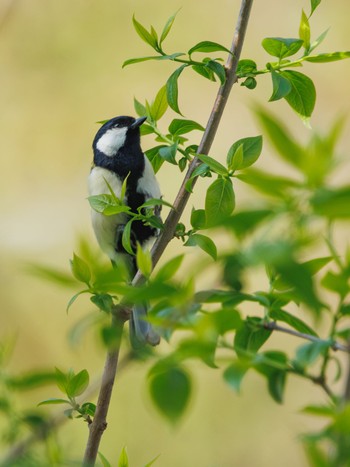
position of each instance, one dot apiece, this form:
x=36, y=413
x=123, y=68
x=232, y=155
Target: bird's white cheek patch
x=112, y=141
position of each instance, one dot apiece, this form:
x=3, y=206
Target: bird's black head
x=119, y=134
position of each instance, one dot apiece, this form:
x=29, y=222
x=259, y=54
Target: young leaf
x=293, y=321
x=304, y=30
x=219, y=201
x=123, y=458
x=250, y=337
x=234, y=374
x=78, y=383
x=168, y=153
x=54, y=400
x=126, y=240
x=198, y=220
x=140, y=109
x=167, y=27
x=208, y=46
x=180, y=127
x=213, y=164
x=218, y=69
x=235, y=158
x=318, y=41
x=328, y=57
x=103, y=301
x=314, y=5
x=280, y=47
x=302, y=96
x=144, y=34
x=170, y=391
x=131, y=61
x=252, y=147
x=80, y=270
x=281, y=87
x=105, y=462
x=160, y=104
x=168, y=270
x=144, y=261
x=172, y=89
x=332, y=203
x=245, y=68
x=204, y=242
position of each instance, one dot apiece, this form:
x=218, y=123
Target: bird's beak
x=138, y=122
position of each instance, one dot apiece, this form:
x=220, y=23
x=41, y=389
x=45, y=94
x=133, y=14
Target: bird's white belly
x=105, y=226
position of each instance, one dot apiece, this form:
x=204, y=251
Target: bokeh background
x=60, y=73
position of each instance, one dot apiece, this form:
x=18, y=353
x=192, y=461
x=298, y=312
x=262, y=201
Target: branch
x=99, y=423
x=334, y=345
x=208, y=136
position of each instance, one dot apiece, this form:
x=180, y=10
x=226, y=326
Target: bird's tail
x=141, y=332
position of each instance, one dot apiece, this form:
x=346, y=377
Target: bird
x=117, y=155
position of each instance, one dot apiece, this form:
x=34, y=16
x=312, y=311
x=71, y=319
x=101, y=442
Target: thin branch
x=99, y=424
x=334, y=345
x=208, y=136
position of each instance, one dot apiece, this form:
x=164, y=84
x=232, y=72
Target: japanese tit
x=117, y=155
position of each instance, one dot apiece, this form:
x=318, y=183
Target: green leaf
x=250, y=337
x=168, y=153
x=245, y=222
x=54, y=400
x=246, y=68
x=172, y=89
x=170, y=391
x=78, y=384
x=123, y=458
x=143, y=260
x=131, y=61
x=332, y=203
x=105, y=462
x=280, y=47
x=169, y=269
x=198, y=219
x=151, y=462
x=167, y=27
x=203, y=70
x=293, y=321
x=281, y=87
x=328, y=57
x=235, y=373
x=180, y=127
x=144, y=34
x=151, y=202
x=219, y=201
x=75, y=296
x=272, y=185
x=213, y=164
x=218, y=69
x=126, y=238
x=154, y=157
x=61, y=380
x=304, y=30
x=204, y=242
x=316, y=264
x=160, y=105
x=251, y=146
x=235, y=158
x=208, y=46
x=282, y=141
x=302, y=96
x=52, y=275
x=336, y=282
x=103, y=301
x=319, y=40
x=140, y=109
x=276, y=385
x=80, y=269
x=307, y=354
x=107, y=205
x=320, y=410
x=314, y=5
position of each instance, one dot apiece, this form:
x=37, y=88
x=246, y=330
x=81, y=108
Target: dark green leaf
x=168, y=153
x=293, y=321
x=31, y=380
x=204, y=242
x=252, y=147
x=279, y=136
x=246, y=67
x=316, y=264
x=80, y=269
x=314, y=5
x=281, y=87
x=154, y=157
x=198, y=219
x=203, y=70
x=103, y=301
x=213, y=164
x=160, y=104
x=180, y=127
x=144, y=34
x=245, y=222
x=78, y=383
x=208, y=46
x=250, y=337
x=172, y=89
x=276, y=385
x=167, y=27
x=332, y=203
x=170, y=391
x=280, y=47
x=234, y=374
x=302, y=96
x=218, y=69
x=219, y=201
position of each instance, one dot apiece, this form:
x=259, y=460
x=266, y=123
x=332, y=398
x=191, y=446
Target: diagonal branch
x=99, y=423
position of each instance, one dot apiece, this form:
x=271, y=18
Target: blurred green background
x=60, y=73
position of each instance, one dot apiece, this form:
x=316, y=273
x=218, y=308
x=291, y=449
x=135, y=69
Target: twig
x=99, y=423
x=333, y=345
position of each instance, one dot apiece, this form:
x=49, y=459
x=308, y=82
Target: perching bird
x=117, y=155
